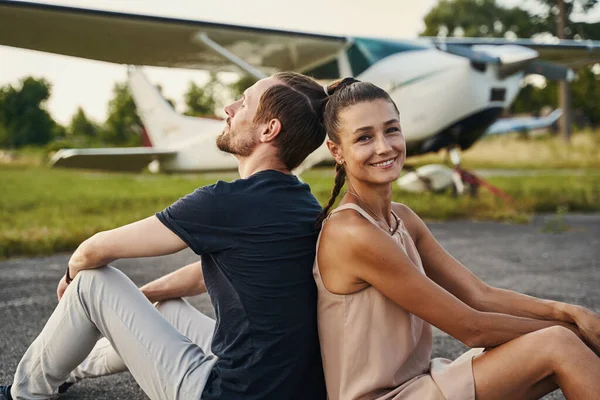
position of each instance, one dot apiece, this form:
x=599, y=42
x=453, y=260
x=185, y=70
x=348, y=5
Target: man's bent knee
x=99, y=281
x=101, y=273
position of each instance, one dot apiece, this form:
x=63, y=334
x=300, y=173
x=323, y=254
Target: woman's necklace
x=391, y=230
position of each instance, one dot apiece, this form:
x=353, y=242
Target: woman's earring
x=341, y=161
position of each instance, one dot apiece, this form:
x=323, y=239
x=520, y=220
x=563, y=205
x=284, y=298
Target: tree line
x=25, y=120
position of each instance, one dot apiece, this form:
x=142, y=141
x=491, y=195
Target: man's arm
x=146, y=238
x=186, y=281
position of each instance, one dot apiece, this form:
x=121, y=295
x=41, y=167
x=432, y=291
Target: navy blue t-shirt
x=257, y=239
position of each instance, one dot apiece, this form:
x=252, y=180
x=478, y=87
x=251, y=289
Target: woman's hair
x=296, y=103
x=344, y=93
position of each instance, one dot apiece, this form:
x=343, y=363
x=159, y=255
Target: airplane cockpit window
x=329, y=70
x=362, y=54
x=377, y=49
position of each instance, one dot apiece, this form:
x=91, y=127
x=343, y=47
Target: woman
x=383, y=280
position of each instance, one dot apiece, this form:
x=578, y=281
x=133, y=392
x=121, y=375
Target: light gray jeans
x=104, y=325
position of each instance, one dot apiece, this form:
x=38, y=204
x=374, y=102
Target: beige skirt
x=447, y=380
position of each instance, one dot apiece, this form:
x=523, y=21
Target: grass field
x=43, y=211
x=512, y=151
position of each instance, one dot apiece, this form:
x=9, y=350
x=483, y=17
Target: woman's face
x=371, y=144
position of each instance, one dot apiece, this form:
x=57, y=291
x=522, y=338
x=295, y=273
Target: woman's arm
x=363, y=252
x=186, y=281
x=450, y=274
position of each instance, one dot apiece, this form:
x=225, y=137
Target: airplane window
x=377, y=49
x=358, y=60
x=362, y=54
x=329, y=70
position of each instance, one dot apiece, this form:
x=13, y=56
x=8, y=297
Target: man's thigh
x=189, y=321
x=164, y=362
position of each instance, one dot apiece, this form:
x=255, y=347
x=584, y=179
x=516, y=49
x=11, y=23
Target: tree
x=585, y=90
x=244, y=82
x=203, y=101
x=552, y=12
x=486, y=18
x=81, y=126
x=123, y=124
x=23, y=115
x=586, y=95
x=480, y=18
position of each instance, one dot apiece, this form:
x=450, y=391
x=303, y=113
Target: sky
x=88, y=84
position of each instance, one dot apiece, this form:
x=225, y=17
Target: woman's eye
x=393, y=130
x=363, y=138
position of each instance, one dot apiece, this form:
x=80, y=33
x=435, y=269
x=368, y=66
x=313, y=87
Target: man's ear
x=335, y=150
x=271, y=130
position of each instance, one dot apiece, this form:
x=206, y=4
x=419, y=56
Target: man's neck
x=256, y=163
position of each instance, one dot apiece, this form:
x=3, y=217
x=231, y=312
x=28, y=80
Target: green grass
x=43, y=211
x=513, y=151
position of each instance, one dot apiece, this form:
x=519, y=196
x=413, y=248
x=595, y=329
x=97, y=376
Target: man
x=256, y=240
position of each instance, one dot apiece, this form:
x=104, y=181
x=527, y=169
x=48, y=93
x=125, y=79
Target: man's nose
x=231, y=109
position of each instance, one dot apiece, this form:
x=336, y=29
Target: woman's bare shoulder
x=411, y=220
x=405, y=213
x=346, y=222
x=346, y=230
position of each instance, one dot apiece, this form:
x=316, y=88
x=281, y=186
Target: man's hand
x=62, y=286
x=186, y=281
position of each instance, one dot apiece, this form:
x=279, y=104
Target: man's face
x=241, y=135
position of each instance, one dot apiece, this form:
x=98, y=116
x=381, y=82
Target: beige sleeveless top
x=374, y=349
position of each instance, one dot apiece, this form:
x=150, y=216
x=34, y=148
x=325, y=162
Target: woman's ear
x=335, y=151
x=272, y=129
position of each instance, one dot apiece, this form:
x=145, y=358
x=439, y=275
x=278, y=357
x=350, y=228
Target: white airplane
x=449, y=91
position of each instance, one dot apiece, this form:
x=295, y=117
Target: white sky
x=78, y=82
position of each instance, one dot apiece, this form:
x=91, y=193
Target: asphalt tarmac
x=561, y=266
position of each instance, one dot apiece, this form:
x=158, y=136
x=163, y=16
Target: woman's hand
x=588, y=323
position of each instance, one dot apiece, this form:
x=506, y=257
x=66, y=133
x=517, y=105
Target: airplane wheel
x=474, y=190
x=454, y=191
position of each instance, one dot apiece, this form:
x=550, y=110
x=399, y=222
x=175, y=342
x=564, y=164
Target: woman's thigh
x=519, y=369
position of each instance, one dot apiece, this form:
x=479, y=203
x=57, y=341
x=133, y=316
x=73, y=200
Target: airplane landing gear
x=439, y=178
x=464, y=180
x=458, y=184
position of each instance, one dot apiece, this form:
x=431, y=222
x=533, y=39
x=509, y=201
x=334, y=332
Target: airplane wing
x=111, y=159
x=521, y=124
x=166, y=42
x=566, y=53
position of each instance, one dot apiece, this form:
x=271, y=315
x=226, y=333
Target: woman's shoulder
x=404, y=212
x=347, y=221
x=412, y=222
x=348, y=229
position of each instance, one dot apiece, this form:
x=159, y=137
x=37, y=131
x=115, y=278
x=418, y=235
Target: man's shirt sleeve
x=199, y=221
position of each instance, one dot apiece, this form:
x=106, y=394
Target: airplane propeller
x=550, y=71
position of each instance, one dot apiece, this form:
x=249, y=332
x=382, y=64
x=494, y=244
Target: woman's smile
x=386, y=164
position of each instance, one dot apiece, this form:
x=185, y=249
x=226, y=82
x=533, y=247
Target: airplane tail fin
x=163, y=125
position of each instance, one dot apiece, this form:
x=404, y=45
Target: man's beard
x=243, y=148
